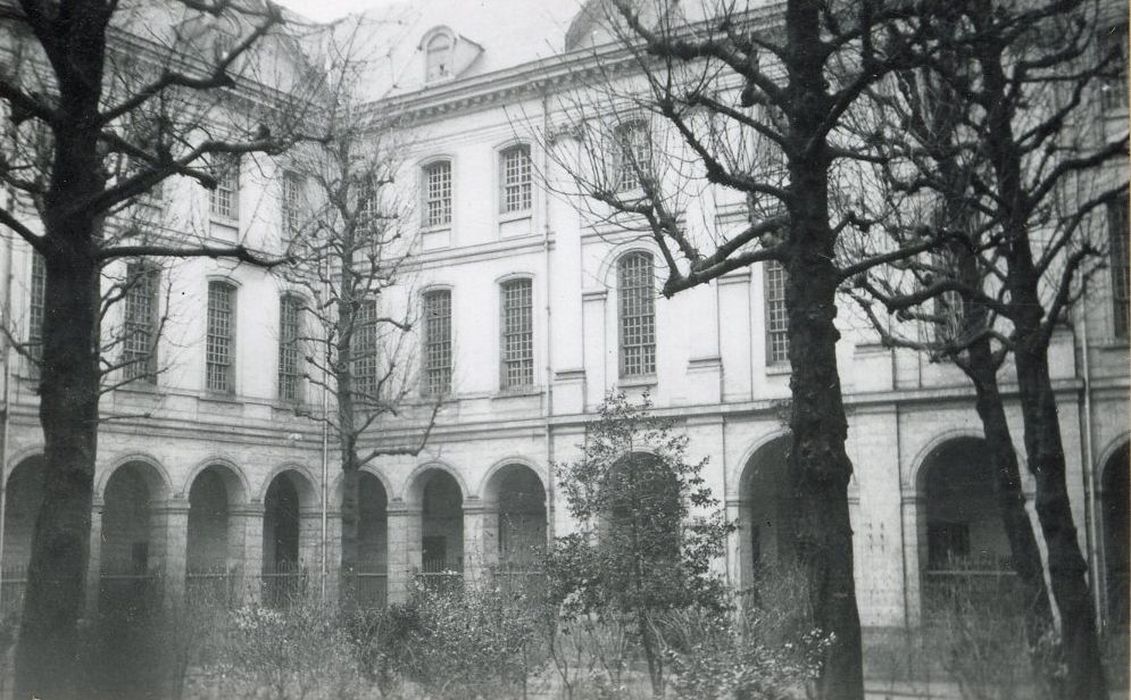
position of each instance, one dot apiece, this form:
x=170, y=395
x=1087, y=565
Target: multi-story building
x=532, y=310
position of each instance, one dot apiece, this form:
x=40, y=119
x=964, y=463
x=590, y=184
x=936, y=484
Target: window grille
x=632, y=154
x=364, y=351
x=290, y=342
x=636, y=290
x=292, y=205
x=223, y=201
x=516, y=172
x=1120, y=273
x=1113, y=46
x=518, y=334
x=139, y=351
x=777, y=318
x=438, y=54
x=220, y=350
x=36, y=294
x=438, y=194
x=366, y=203
x=438, y=342
x=948, y=306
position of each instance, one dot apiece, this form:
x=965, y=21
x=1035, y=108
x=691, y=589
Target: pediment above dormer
x=445, y=54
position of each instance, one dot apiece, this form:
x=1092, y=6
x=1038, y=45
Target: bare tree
x=1004, y=139
x=174, y=88
x=748, y=103
x=354, y=257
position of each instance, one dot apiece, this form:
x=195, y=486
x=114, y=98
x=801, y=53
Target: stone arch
x=305, y=482
x=18, y=456
x=214, y=536
x=961, y=541
x=515, y=524
x=366, y=584
x=156, y=476
x=607, y=270
x=441, y=495
x=23, y=493
x=290, y=534
x=235, y=479
x=1114, y=496
x=485, y=484
x=412, y=487
x=766, y=508
x=132, y=550
x=369, y=469
x=735, y=484
x=919, y=462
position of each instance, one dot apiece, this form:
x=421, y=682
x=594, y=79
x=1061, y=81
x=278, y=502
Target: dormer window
x=438, y=57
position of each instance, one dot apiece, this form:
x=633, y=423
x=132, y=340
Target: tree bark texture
x=1023, y=547
x=1068, y=570
x=68, y=411
x=819, y=465
x=47, y=663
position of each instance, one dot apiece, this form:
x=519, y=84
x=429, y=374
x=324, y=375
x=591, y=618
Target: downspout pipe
x=546, y=228
x=1092, y=512
x=7, y=415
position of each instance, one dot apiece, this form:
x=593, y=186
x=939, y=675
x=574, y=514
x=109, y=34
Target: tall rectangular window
x=438, y=342
x=1113, y=50
x=777, y=318
x=518, y=334
x=37, y=291
x=517, y=194
x=363, y=349
x=292, y=206
x=290, y=348
x=632, y=154
x=1120, y=275
x=438, y=194
x=636, y=290
x=139, y=344
x=220, y=348
x=223, y=201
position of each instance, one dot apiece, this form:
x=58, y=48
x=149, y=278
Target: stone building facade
x=533, y=310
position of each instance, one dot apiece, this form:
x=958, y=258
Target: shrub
x=475, y=641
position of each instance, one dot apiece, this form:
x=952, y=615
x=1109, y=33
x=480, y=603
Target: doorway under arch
x=964, y=549
x=23, y=494
x=132, y=549
x=767, y=511
x=1115, y=535
x=284, y=575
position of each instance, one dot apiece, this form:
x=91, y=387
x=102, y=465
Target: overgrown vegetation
x=648, y=529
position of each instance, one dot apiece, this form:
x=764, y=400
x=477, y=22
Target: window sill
x=139, y=386
x=517, y=392
x=1111, y=344
x=226, y=221
x=439, y=228
x=217, y=397
x=637, y=382
x=508, y=217
x=778, y=368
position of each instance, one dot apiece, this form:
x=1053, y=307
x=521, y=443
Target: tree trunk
x=819, y=464
x=47, y=655
x=347, y=582
x=47, y=663
x=1068, y=570
x=981, y=368
x=1011, y=502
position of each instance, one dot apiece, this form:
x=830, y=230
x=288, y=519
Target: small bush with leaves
x=458, y=642
x=764, y=646
x=648, y=527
